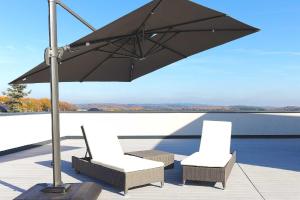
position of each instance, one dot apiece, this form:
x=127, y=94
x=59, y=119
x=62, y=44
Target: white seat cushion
x=103, y=145
x=203, y=160
x=128, y=163
x=214, y=147
x=215, y=138
x=107, y=151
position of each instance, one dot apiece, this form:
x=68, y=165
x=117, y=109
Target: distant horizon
x=181, y=107
x=186, y=104
x=162, y=103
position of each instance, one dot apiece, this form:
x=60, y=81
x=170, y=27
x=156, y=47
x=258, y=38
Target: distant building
x=93, y=110
x=3, y=108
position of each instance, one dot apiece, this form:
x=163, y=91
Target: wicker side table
x=161, y=156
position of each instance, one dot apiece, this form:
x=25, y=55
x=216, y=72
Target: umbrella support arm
x=49, y=51
x=69, y=10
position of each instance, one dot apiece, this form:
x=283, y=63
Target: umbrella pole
x=53, y=54
x=54, y=94
x=58, y=190
x=57, y=186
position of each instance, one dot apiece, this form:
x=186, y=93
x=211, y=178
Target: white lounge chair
x=105, y=160
x=213, y=162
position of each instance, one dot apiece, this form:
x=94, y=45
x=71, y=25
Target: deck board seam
x=252, y=183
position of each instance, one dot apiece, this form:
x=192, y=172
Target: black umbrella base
x=58, y=189
x=43, y=191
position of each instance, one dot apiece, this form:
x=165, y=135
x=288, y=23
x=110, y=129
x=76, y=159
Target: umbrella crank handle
x=50, y=53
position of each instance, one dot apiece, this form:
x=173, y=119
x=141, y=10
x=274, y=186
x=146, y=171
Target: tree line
x=16, y=99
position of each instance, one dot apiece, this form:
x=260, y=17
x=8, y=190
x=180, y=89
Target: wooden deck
x=266, y=169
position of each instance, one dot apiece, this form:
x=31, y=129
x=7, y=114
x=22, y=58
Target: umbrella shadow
x=66, y=168
x=203, y=184
x=174, y=177
x=247, y=124
x=272, y=153
x=41, y=150
x=13, y=187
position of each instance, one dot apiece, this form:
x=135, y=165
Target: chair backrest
x=103, y=146
x=215, y=138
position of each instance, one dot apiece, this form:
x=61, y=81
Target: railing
x=23, y=129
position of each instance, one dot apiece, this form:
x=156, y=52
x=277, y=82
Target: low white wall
x=19, y=130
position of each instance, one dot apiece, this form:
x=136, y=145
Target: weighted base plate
x=58, y=189
x=82, y=191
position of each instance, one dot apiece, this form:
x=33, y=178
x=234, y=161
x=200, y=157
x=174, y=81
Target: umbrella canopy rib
x=133, y=54
x=187, y=23
x=107, y=39
x=148, y=16
x=117, y=53
x=102, y=62
x=158, y=46
x=139, y=46
x=90, y=50
x=151, y=31
x=168, y=48
x=121, y=57
x=155, y=45
x=201, y=30
x=64, y=60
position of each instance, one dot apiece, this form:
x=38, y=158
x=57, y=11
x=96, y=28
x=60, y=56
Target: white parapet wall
x=19, y=130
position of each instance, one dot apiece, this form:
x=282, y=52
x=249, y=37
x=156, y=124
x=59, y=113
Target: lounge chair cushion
x=103, y=145
x=214, y=148
x=128, y=163
x=204, y=160
x=107, y=151
x=215, y=139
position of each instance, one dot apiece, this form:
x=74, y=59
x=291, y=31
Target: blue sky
x=261, y=69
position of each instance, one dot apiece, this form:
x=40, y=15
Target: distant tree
x=65, y=106
x=15, y=101
x=15, y=94
x=31, y=105
x=45, y=104
x=3, y=100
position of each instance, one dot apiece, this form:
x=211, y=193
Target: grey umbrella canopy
x=149, y=38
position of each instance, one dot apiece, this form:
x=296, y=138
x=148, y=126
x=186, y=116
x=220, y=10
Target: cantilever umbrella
x=153, y=36
x=149, y=38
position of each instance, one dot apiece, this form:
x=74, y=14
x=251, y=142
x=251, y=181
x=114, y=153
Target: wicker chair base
x=209, y=174
x=122, y=180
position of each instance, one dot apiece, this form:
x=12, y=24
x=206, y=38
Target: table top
x=148, y=153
